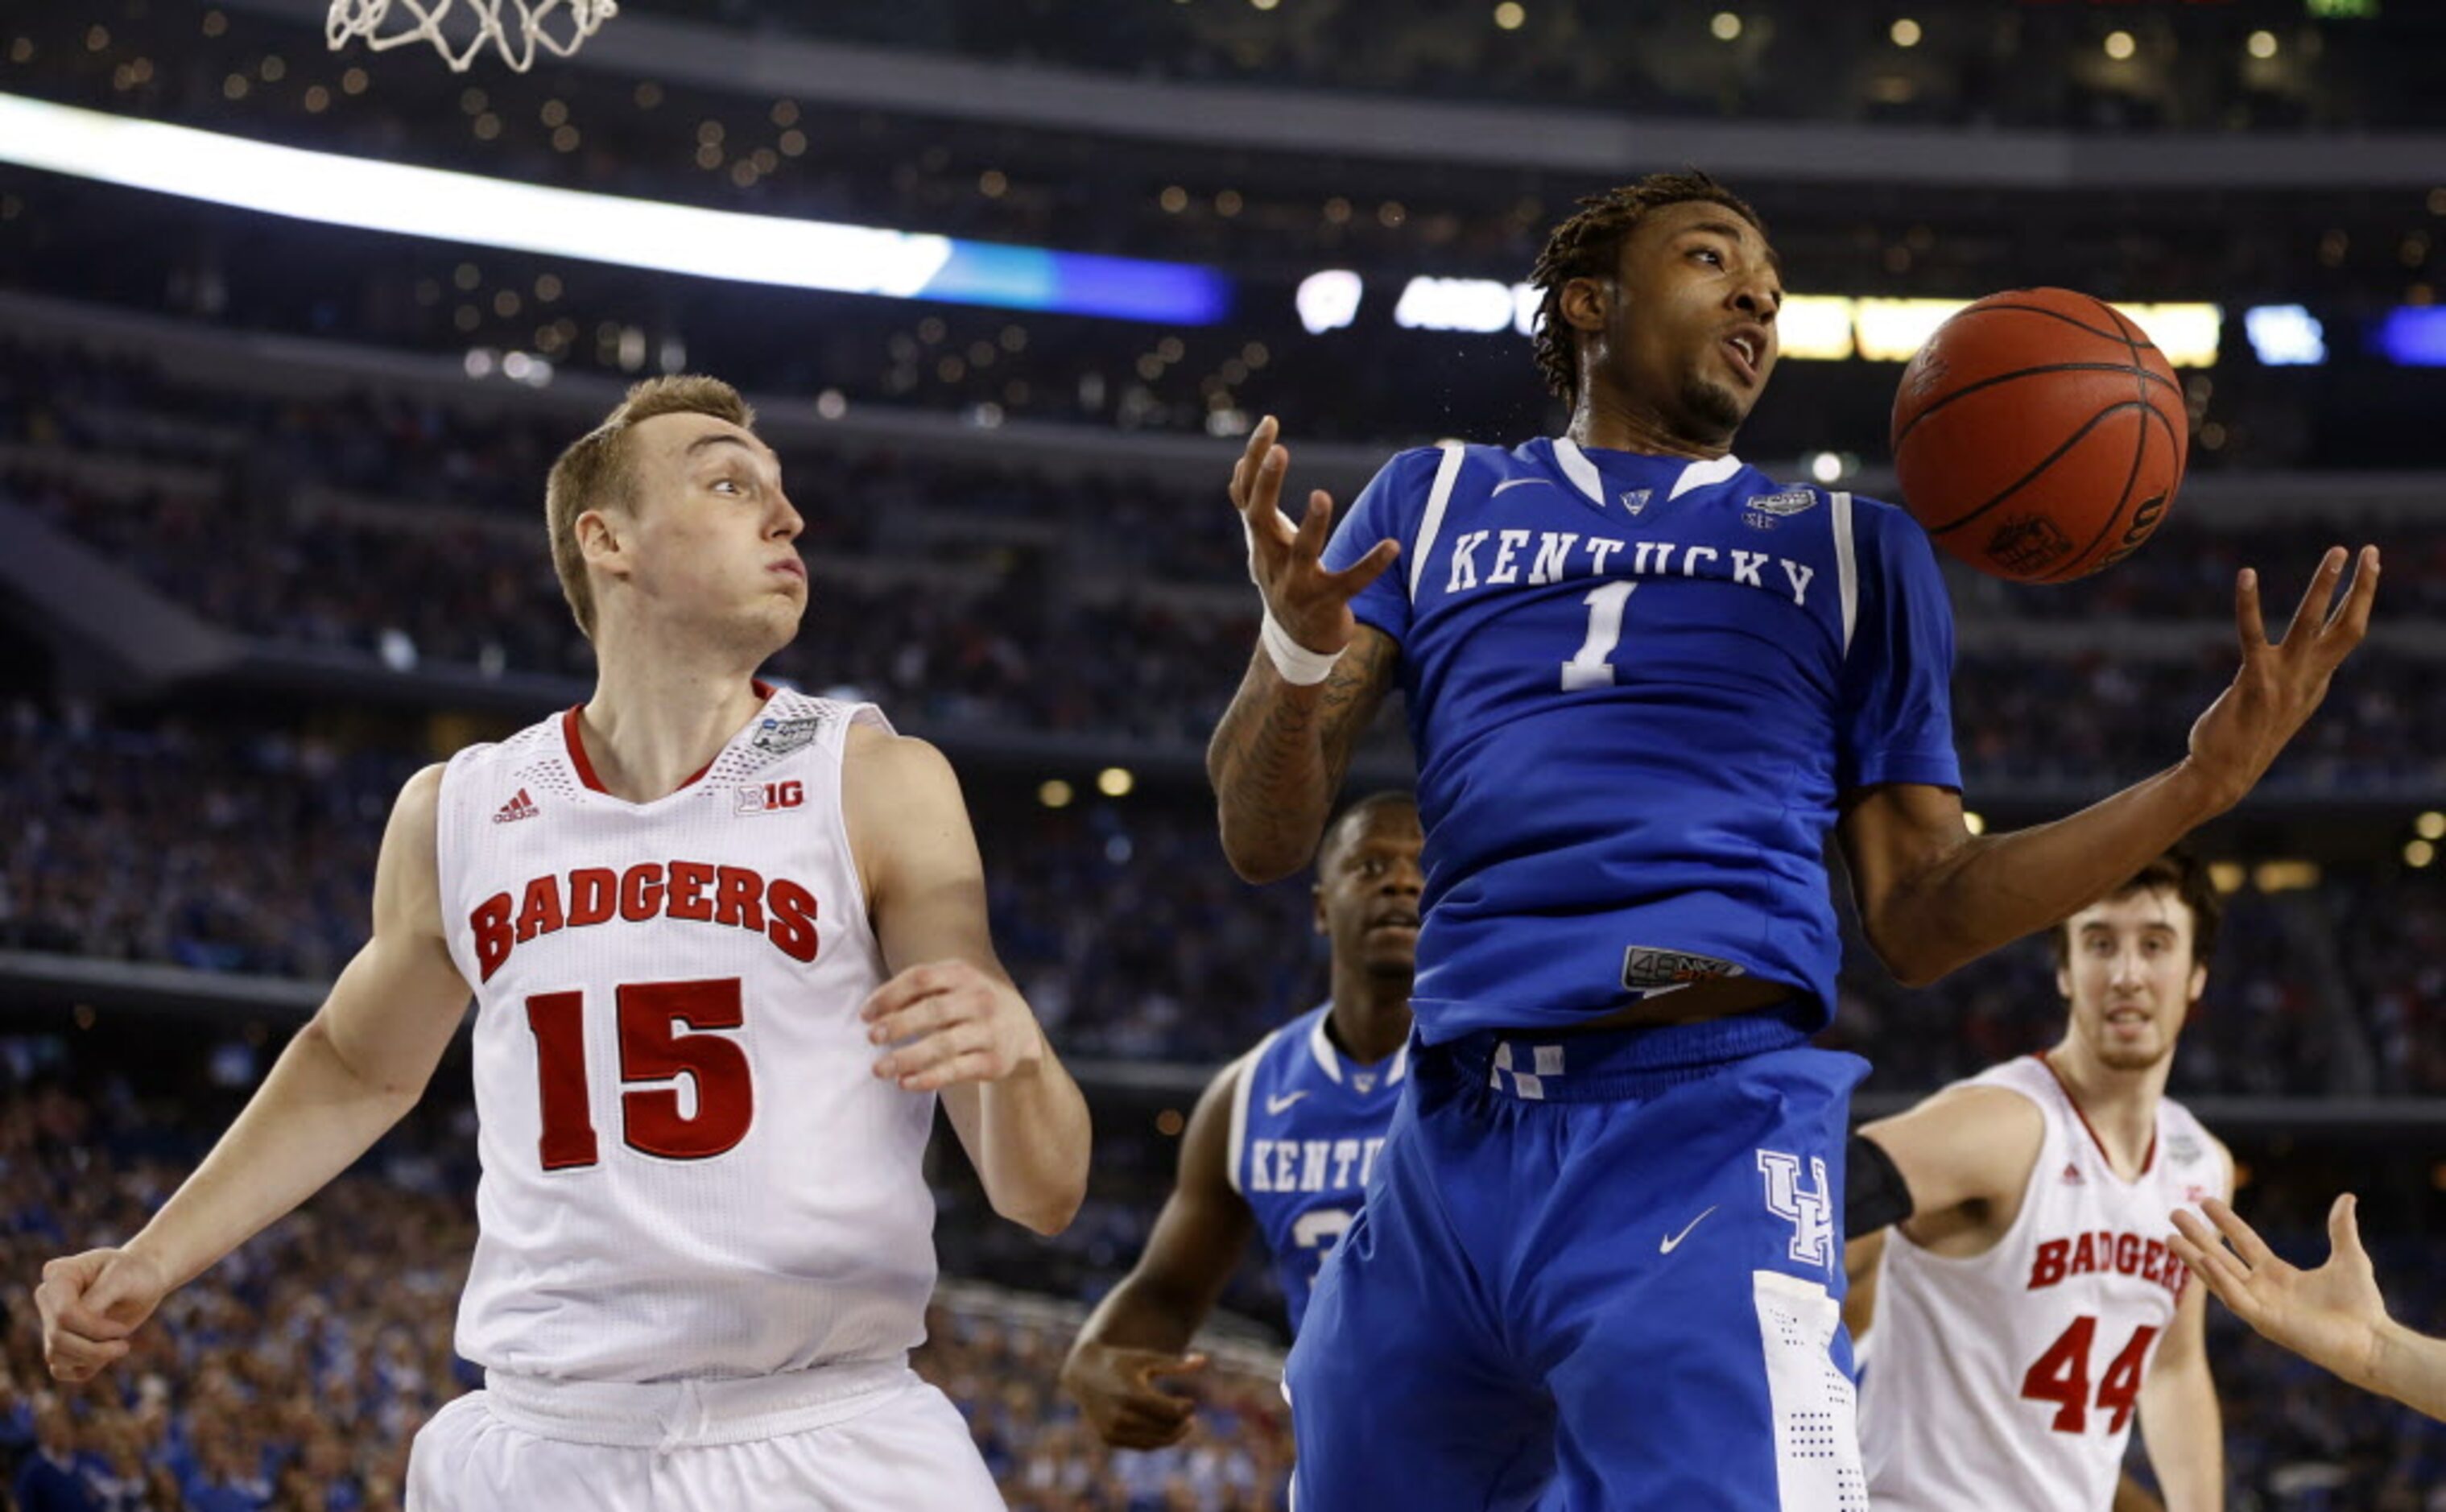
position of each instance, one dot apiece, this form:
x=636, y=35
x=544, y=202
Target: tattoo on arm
x=1280, y=753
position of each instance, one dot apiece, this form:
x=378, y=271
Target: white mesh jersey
x=689, y=1169
x=2011, y=1378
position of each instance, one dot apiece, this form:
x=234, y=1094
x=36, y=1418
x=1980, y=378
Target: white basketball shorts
x=847, y=1438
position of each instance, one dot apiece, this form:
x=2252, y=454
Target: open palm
x=2331, y=1316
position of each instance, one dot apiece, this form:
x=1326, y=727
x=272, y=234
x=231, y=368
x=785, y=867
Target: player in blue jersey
x=1598, y=1264
x=1281, y=1141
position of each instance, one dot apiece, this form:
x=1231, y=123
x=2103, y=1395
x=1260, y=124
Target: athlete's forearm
x=1033, y=1145
x=2180, y=1423
x=1995, y=889
x=309, y=1121
x=1274, y=782
x=2410, y=1367
x=1150, y=1311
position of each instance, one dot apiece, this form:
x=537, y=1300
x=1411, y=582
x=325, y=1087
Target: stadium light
x=2412, y=336
x=1455, y=304
x=1327, y=300
x=2285, y=336
x=1814, y=327
x=337, y=190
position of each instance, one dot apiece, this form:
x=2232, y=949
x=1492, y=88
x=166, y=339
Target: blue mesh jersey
x=1637, y=687
x=1306, y=1123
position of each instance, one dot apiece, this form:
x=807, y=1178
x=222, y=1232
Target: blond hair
x=597, y=472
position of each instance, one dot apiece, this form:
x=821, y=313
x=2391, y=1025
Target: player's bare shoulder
x=407, y=876
x=900, y=799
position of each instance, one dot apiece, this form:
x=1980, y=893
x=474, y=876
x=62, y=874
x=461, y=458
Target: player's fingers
x=2217, y=1271
x=1351, y=579
x=2350, y=622
x=2343, y=1231
x=75, y=1359
x=1315, y=527
x=120, y=1296
x=963, y=1054
x=67, y=1309
x=907, y=987
x=1243, y=470
x=2246, y=619
x=2312, y=611
x=1136, y=1431
x=1146, y=1366
x=926, y=1053
x=937, y=1010
x=2244, y=1238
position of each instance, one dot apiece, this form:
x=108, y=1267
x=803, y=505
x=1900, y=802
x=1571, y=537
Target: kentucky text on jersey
x=1311, y=1166
x=1639, y=687
x=730, y=897
x=1307, y=1125
x=1560, y=554
x=2103, y=1253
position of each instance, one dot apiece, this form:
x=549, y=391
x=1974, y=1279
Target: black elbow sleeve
x=1874, y=1193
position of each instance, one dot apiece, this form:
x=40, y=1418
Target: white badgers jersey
x=689, y=1169
x=2010, y=1378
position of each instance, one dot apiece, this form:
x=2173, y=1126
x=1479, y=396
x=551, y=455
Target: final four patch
x=1765, y=511
x=781, y=736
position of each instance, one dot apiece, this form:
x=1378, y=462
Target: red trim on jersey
x=572, y=733
x=2146, y=1160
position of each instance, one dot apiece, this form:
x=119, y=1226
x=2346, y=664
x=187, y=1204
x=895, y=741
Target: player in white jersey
x=2028, y=1308
x=727, y=946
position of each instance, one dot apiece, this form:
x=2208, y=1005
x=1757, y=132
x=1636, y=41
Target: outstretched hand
x=2280, y=684
x=1307, y=600
x=2332, y=1316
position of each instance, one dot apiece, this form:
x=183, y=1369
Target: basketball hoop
x=461, y=30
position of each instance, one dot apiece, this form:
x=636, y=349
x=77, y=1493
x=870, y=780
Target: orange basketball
x=2039, y=436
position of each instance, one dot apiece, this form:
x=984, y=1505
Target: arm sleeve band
x=1874, y=1193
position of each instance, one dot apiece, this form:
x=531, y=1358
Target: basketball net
x=462, y=29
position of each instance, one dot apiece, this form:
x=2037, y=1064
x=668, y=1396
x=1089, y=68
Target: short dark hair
x=1588, y=245
x=1337, y=833
x=2179, y=872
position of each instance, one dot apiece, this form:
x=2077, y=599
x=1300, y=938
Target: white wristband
x=1299, y=666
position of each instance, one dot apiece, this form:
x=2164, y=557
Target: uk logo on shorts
x=1810, y=1216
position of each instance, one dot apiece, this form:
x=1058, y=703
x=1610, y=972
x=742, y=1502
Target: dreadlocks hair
x=1588, y=245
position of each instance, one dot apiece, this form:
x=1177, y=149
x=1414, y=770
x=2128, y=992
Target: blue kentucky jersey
x=1638, y=687
x=1307, y=1123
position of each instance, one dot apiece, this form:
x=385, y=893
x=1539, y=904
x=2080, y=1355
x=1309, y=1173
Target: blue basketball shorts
x=1598, y=1272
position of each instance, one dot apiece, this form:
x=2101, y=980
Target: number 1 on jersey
x=1593, y=667
x=651, y=1122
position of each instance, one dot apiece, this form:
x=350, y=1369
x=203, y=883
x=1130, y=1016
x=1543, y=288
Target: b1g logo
x=1810, y=1216
x=766, y=798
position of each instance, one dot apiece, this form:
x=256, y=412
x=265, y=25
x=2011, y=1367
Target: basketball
x=2039, y=435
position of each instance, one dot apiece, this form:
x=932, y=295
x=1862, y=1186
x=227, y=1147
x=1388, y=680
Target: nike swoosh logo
x=1275, y=1104
x=1668, y=1246
x=1519, y=483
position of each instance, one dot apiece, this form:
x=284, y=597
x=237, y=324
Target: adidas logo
x=517, y=808
x=2071, y=1174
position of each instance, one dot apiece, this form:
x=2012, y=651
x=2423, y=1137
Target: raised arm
x=1140, y=1332
x=357, y=1067
x=1933, y=896
x=953, y=1018
x=1280, y=753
